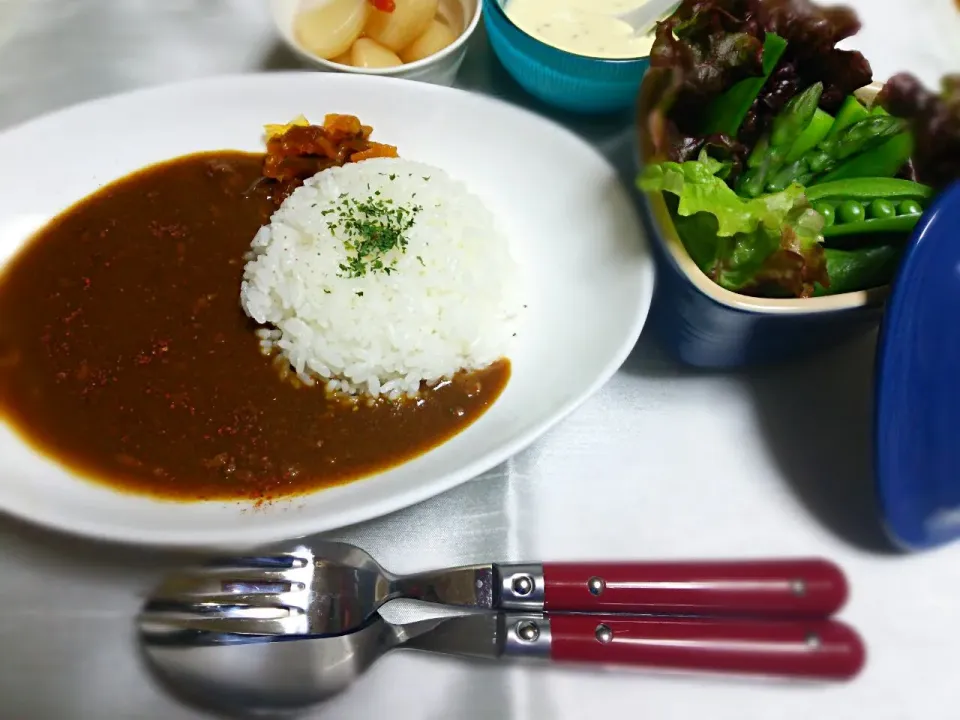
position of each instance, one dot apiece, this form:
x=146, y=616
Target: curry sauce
x=125, y=354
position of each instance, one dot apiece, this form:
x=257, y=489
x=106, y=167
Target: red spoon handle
x=820, y=649
x=770, y=588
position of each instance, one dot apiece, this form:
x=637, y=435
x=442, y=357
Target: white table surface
x=661, y=463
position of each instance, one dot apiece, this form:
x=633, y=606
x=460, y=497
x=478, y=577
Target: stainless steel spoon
x=327, y=588
x=243, y=672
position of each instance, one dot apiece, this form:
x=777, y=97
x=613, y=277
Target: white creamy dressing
x=582, y=27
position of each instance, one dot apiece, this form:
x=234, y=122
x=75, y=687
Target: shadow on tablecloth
x=818, y=418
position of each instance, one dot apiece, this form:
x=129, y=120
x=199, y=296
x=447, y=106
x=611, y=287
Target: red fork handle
x=814, y=649
x=768, y=588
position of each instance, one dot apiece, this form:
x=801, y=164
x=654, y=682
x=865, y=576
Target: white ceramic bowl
x=440, y=68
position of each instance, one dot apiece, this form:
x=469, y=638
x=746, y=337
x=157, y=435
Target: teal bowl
x=576, y=83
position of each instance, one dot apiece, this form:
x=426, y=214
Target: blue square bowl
x=576, y=83
x=704, y=325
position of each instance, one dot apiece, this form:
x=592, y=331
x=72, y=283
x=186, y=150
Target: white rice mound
x=451, y=303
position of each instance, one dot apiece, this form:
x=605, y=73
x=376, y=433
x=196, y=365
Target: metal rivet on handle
x=799, y=588
x=528, y=631
x=522, y=585
x=596, y=585
x=604, y=634
x=813, y=641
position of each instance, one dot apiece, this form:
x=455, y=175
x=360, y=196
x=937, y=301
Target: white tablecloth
x=662, y=462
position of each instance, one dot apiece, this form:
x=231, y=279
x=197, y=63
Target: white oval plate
x=587, y=269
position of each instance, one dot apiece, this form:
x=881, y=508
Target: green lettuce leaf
x=770, y=245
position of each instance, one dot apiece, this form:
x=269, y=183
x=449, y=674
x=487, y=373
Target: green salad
x=782, y=181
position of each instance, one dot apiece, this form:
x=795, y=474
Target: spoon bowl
x=256, y=676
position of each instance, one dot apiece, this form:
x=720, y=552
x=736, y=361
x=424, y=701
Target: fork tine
x=215, y=578
x=203, y=586
x=165, y=622
x=242, y=574
x=279, y=567
x=211, y=603
x=279, y=561
x=262, y=595
x=258, y=614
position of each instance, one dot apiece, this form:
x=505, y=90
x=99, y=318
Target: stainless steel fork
x=327, y=588
x=324, y=589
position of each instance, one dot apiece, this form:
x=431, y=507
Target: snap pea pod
x=861, y=269
x=884, y=161
x=864, y=206
x=727, y=113
x=863, y=136
x=868, y=225
x=865, y=189
x=815, y=133
x=771, y=152
x=851, y=112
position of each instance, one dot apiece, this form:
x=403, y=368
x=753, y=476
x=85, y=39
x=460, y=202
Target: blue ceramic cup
x=576, y=83
x=705, y=325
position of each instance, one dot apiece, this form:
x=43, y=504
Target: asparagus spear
x=863, y=136
x=771, y=151
x=793, y=120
